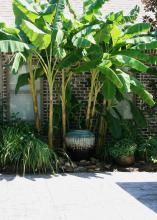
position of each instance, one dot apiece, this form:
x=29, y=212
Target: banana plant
x=15, y=40
x=116, y=49
x=40, y=27
x=43, y=29
x=54, y=60
x=22, y=55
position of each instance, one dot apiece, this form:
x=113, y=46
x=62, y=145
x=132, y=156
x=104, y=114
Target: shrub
x=149, y=147
x=124, y=147
x=23, y=152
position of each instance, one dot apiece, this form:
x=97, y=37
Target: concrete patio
x=82, y=196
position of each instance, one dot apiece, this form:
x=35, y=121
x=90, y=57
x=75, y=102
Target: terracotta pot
x=80, y=144
x=126, y=160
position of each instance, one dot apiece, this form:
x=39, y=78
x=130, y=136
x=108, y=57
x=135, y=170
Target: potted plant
x=123, y=152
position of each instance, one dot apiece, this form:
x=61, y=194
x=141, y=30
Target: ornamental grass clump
x=24, y=152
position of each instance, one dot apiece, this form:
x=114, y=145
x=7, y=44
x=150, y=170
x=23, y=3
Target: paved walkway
x=110, y=196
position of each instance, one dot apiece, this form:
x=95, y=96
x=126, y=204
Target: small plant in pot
x=123, y=152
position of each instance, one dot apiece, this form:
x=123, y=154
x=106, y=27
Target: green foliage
x=23, y=79
x=139, y=89
x=110, y=47
x=123, y=52
x=108, y=90
x=111, y=75
x=38, y=38
x=136, y=29
x=22, y=151
x=91, y=6
x=16, y=62
x=24, y=9
x=149, y=148
x=114, y=125
x=60, y=4
x=124, y=147
x=13, y=46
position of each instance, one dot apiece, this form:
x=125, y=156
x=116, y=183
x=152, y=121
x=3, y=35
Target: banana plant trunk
x=103, y=125
x=63, y=99
x=102, y=130
x=90, y=99
x=50, y=131
x=34, y=95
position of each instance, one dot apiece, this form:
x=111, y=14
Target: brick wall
x=79, y=88
x=150, y=83
x=1, y=89
x=4, y=94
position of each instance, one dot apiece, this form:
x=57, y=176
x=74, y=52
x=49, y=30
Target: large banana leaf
x=111, y=75
x=17, y=61
x=139, y=40
x=70, y=59
x=95, y=52
x=92, y=6
x=11, y=30
x=88, y=29
x=108, y=89
x=11, y=46
x=56, y=25
x=87, y=67
x=59, y=37
x=136, y=29
x=71, y=9
x=125, y=80
x=7, y=36
x=115, y=34
x=138, y=88
x=24, y=10
x=146, y=46
x=49, y=12
x=82, y=42
x=23, y=79
x=119, y=18
x=116, y=18
x=103, y=35
x=2, y=24
x=137, y=115
x=123, y=60
x=59, y=52
x=38, y=38
x=132, y=15
x=137, y=54
x=114, y=125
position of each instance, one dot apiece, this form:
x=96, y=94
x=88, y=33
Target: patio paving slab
x=82, y=196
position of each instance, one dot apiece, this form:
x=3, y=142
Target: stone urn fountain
x=80, y=144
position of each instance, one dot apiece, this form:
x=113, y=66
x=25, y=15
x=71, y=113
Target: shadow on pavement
x=34, y=177
x=7, y=177
x=87, y=175
x=144, y=192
